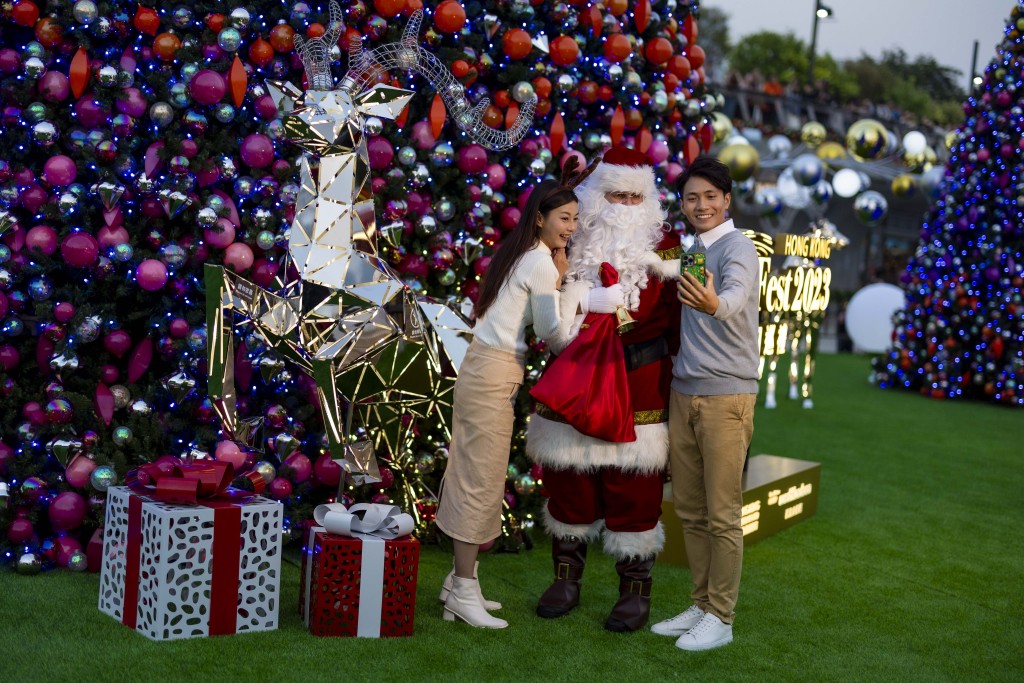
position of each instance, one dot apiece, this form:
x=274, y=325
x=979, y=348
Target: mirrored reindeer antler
x=364, y=67
x=316, y=53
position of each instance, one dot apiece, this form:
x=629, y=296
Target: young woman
x=520, y=289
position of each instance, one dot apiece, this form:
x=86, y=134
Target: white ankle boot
x=446, y=588
x=464, y=602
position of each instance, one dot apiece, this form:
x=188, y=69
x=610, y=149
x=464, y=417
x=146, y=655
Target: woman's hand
x=561, y=265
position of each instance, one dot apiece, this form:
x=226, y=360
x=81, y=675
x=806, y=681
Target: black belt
x=642, y=353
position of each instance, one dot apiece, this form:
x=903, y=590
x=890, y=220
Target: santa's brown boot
x=570, y=556
x=634, y=606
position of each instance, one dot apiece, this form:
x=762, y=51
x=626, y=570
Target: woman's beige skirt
x=474, y=482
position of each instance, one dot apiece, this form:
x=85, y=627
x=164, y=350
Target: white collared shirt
x=714, y=234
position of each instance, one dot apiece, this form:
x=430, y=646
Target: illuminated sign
x=777, y=493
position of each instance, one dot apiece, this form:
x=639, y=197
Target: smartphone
x=693, y=263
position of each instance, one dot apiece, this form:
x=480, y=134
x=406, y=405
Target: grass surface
x=912, y=569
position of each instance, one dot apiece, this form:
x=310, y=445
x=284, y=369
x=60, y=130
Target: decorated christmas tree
x=961, y=334
x=141, y=143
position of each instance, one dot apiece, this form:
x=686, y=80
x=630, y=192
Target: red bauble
x=315, y=30
x=261, y=52
x=49, y=32
x=542, y=87
x=658, y=51
x=146, y=20
x=166, y=46
x=282, y=38
x=588, y=92
x=516, y=43
x=460, y=68
x=617, y=48
x=679, y=66
x=215, y=22
x=617, y=7
x=564, y=51
x=389, y=8
x=449, y=17
x=493, y=117
x=25, y=13
x=695, y=55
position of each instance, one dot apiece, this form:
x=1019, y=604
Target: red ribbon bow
x=191, y=483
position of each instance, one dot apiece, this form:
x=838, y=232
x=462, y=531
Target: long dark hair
x=546, y=197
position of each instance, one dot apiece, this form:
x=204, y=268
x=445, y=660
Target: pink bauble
x=41, y=239
x=166, y=464
x=480, y=265
x=327, y=471
x=208, y=175
x=4, y=305
x=10, y=62
x=207, y=87
x=264, y=271
x=189, y=148
x=66, y=547
x=524, y=197
x=6, y=455
x=496, y=176
x=152, y=208
x=109, y=374
x=117, y=342
x=60, y=170
x=20, y=530
x=378, y=184
x=78, y=471
x=487, y=545
x=472, y=158
x=658, y=151
x=300, y=465
x=91, y=112
x=32, y=198
x=64, y=311
x=672, y=171
x=151, y=274
x=221, y=234
x=257, y=151
x=79, y=249
x=422, y=136
x=238, y=256
x=34, y=413
x=380, y=151
x=179, y=328
x=265, y=107
x=9, y=356
x=111, y=237
x=280, y=488
x=229, y=452
x=54, y=86
x=67, y=511
x=570, y=154
x=509, y=217
x=131, y=102
x=380, y=499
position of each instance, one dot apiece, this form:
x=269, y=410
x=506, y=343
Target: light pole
x=821, y=11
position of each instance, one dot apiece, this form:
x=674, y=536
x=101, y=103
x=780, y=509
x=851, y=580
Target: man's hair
x=710, y=169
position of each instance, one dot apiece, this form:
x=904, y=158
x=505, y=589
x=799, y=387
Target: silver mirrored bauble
x=161, y=113
x=373, y=125
x=85, y=12
x=45, y=133
x=102, y=478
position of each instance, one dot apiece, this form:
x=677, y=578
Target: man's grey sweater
x=719, y=354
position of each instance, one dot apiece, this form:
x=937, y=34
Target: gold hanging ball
x=742, y=160
x=813, y=133
x=951, y=138
x=828, y=151
x=722, y=126
x=904, y=186
x=867, y=139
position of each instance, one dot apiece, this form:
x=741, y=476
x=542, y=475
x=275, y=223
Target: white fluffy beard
x=623, y=235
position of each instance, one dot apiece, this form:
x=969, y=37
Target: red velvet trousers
x=626, y=501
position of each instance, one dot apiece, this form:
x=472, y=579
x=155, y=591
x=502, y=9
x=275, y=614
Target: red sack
x=586, y=384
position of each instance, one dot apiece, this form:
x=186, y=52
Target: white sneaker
x=680, y=623
x=710, y=632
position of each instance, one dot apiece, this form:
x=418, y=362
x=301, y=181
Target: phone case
x=693, y=263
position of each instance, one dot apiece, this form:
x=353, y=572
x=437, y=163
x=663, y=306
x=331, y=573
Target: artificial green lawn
x=912, y=569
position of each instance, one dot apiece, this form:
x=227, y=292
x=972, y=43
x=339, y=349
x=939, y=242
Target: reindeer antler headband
x=573, y=175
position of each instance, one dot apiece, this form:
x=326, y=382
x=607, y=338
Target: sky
x=943, y=29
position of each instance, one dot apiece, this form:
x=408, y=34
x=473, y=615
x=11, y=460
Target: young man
x=711, y=407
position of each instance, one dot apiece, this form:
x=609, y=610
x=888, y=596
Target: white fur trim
x=588, y=532
x=616, y=178
x=556, y=444
x=665, y=270
x=623, y=545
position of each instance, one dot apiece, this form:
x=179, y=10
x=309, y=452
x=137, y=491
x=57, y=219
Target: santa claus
x=599, y=488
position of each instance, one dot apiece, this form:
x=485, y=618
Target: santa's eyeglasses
x=624, y=197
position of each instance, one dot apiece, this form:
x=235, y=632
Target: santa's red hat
x=623, y=169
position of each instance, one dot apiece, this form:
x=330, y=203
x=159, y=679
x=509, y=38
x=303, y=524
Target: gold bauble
x=742, y=160
x=951, y=138
x=722, y=126
x=867, y=139
x=830, y=151
x=904, y=186
x=813, y=133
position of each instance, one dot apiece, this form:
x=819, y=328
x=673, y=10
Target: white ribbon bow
x=374, y=519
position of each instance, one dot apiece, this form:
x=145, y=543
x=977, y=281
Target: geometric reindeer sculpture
x=374, y=349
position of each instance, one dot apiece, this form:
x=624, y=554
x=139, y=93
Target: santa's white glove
x=603, y=299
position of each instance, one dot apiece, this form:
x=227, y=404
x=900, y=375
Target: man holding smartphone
x=711, y=406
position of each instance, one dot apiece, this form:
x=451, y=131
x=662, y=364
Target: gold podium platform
x=777, y=493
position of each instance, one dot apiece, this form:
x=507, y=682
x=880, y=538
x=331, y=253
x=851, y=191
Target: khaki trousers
x=708, y=441
x=473, y=487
